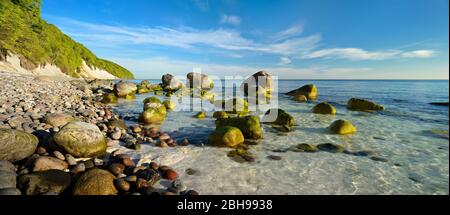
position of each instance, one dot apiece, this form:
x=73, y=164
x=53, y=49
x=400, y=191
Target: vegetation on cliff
x=25, y=33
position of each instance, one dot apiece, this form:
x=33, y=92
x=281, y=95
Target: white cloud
x=285, y=60
x=230, y=19
x=361, y=54
x=293, y=31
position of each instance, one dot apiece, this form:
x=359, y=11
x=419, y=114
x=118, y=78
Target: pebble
x=170, y=174
x=154, y=165
x=150, y=191
x=179, y=185
x=112, y=143
x=70, y=160
x=141, y=183
x=78, y=168
x=185, y=142
x=89, y=164
x=98, y=162
x=162, y=144
x=59, y=155
x=128, y=162
x=131, y=178
x=192, y=193
x=164, y=137
x=116, y=135
x=41, y=150
x=191, y=171
x=275, y=157
x=136, y=129
x=380, y=159
x=122, y=185
x=116, y=168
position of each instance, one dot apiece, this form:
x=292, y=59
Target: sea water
x=409, y=139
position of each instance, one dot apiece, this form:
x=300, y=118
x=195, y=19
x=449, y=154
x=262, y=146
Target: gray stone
x=12, y=191
x=55, y=181
x=7, y=179
x=16, y=145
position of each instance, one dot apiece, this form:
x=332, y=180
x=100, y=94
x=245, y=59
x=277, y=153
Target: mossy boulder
x=16, y=145
x=152, y=99
x=207, y=95
x=80, y=139
x=310, y=91
x=226, y=136
x=155, y=114
x=342, y=127
x=324, y=108
x=279, y=118
x=170, y=105
x=200, y=115
x=233, y=106
x=199, y=81
x=95, y=182
x=249, y=126
x=109, y=98
x=220, y=115
x=363, y=105
x=125, y=89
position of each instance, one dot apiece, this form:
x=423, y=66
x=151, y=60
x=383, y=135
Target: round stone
x=95, y=182
x=47, y=163
x=16, y=145
x=117, y=168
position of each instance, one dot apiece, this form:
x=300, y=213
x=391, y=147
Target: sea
x=408, y=143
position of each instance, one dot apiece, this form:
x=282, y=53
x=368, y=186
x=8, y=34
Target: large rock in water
x=53, y=181
x=170, y=83
x=80, y=139
x=278, y=117
x=226, y=136
x=342, y=127
x=95, y=182
x=16, y=145
x=261, y=80
x=363, y=105
x=199, y=81
x=324, y=108
x=125, y=89
x=249, y=125
x=154, y=111
x=310, y=91
x=58, y=119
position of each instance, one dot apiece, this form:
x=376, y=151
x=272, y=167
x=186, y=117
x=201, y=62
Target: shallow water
x=416, y=160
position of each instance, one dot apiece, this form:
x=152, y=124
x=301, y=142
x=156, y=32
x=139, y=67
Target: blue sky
x=326, y=39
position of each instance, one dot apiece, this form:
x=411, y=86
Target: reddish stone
x=170, y=174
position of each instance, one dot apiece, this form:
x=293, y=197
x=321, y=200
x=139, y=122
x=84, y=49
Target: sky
x=292, y=39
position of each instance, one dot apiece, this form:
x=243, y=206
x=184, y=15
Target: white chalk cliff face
x=12, y=65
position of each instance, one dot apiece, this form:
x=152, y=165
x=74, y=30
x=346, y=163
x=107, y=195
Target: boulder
x=310, y=91
x=220, y=115
x=260, y=83
x=125, y=89
x=170, y=105
x=152, y=99
x=300, y=98
x=170, y=83
x=7, y=179
x=12, y=191
x=363, y=105
x=16, y=145
x=44, y=163
x=54, y=181
x=279, y=118
x=58, y=119
x=249, y=126
x=342, y=127
x=109, y=98
x=95, y=182
x=153, y=115
x=200, y=115
x=233, y=106
x=199, y=81
x=226, y=136
x=80, y=139
x=324, y=108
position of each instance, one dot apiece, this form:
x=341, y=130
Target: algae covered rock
x=226, y=136
x=249, y=125
x=300, y=98
x=152, y=99
x=310, y=91
x=363, y=105
x=200, y=115
x=95, y=182
x=306, y=147
x=170, y=105
x=109, y=98
x=324, y=108
x=342, y=127
x=279, y=118
x=153, y=114
x=125, y=89
x=80, y=139
x=16, y=145
x=220, y=115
